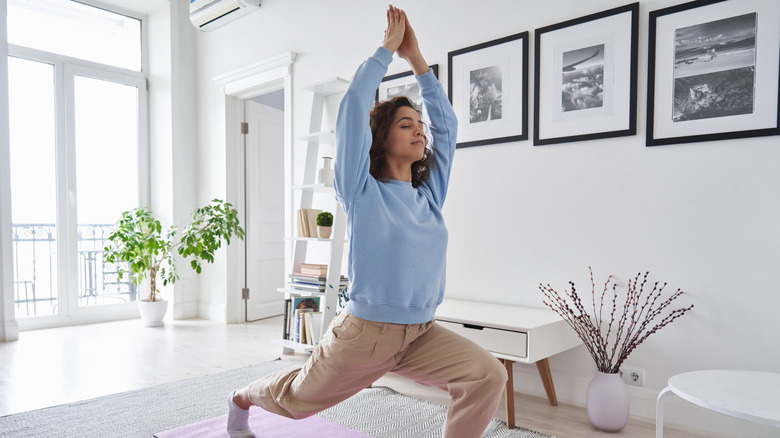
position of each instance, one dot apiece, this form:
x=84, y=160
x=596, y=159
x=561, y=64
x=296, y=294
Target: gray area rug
x=379, y=412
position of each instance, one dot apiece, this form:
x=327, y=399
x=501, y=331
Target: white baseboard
x=213, y=312
x=218, y=312
x=187, y=310
x=10, y=331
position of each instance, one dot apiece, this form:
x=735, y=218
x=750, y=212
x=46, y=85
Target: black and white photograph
x=485, y=97
x=714, y=68
x=585, y=77
x=712, y=71
x=582, y=79
x=412, y=91
x=403, y=84
x=488, y=88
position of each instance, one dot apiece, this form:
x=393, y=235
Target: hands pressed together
x=400, y=37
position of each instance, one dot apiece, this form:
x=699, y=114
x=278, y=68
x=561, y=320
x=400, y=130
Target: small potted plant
x=139, y=242
x=324, y=224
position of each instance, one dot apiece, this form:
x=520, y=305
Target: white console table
x=512, y=334
x=750, y=395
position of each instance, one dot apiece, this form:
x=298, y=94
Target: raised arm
x=444, y=124
x=353, y=131
x=409, y=49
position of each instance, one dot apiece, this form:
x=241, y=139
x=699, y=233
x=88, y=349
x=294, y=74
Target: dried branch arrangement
x=610, y=341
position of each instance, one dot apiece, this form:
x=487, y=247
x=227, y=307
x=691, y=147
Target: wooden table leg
x=509, y=394
x=544, y=372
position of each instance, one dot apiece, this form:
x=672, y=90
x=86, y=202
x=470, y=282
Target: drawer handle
x=473, y=327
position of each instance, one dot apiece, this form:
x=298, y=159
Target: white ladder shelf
x=308, y=188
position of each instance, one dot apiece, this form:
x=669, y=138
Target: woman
x=392, y=189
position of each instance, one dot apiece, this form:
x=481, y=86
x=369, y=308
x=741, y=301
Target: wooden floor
x=64, y=365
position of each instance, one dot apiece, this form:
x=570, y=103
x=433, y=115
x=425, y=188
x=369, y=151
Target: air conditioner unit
x=211, y=14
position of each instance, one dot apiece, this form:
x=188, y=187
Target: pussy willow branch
x=631, y=326
x=561, y=307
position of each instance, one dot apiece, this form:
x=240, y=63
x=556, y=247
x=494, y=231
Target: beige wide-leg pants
x=355, y=352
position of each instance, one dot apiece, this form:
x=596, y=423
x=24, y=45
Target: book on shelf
x=312, y=303
x=307, y=327
x=298, y=330
x=303, y=287
x=313, y=325
x=312, y=283
x=314, y=269
x=315, y=322
x=299, y=278
x=286, y=324
x=296, y=308
x=307, y=222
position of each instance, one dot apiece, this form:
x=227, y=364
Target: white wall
x=172, y=138
x=9, y=329
x=699, y=216
x=184, y=147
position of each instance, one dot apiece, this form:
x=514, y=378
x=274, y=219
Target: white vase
x=152, y=312
x=608, y=402
x=325, y=174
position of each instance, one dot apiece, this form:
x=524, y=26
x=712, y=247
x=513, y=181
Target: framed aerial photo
x=713, y=71
x=586, y=77
x=488, y=89
x=403, y=84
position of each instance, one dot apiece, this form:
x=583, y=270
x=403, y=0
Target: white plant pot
x=152, y=312
x=323, y=232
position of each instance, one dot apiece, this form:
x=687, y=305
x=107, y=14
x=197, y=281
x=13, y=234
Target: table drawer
x=493, y=340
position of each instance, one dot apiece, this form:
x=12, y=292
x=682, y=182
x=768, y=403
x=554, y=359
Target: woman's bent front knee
x=497, y=374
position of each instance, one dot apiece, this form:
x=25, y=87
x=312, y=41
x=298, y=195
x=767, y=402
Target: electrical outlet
x=633, y=375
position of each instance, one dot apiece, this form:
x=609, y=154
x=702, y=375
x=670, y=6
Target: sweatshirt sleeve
x=353, y=131
x=444, y=130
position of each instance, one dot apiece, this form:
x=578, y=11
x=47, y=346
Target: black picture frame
x=498, y=113
x=404, y=84
x=585, y=77
x=708, y=78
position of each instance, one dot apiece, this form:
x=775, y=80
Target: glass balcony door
x=77, y=149
x=79, y=155
x=33, y=187
x=106, y=180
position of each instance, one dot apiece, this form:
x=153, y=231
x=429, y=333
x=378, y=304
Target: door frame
x=263, y=77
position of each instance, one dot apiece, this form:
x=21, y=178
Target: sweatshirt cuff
x=427, y=80
x=383, y=55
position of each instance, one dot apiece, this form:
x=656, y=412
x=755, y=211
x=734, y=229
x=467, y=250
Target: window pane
x=33, y=199
x=77, y=30
x=107, y=175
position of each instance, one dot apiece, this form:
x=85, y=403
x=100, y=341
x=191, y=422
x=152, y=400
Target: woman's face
x=406, y=140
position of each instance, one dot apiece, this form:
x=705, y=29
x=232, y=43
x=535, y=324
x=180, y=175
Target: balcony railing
x=35, y=269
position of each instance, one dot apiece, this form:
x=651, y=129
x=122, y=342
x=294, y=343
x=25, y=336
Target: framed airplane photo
x=586, y=77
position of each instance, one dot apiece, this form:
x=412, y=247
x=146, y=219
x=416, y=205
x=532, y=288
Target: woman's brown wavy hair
x=382, y=116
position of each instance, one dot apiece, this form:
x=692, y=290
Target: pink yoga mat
x=265, y=424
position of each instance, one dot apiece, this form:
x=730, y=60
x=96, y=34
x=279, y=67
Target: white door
x=265, y=210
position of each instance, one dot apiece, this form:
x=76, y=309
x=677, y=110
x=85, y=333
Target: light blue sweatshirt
x=397, y=237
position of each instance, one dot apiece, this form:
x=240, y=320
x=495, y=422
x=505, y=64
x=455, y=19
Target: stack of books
x=311, y=278
x=303, y=320
x=314, y=269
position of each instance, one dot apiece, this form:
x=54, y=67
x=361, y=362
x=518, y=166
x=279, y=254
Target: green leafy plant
x=140, y=242
x=325, y=219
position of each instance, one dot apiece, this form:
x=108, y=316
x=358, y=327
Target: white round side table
x=750, y=395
